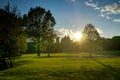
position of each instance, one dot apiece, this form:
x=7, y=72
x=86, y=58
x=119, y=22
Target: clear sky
x=73, y=15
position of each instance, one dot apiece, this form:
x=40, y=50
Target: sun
x=77, y=36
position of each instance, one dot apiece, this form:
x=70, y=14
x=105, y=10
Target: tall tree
x=10, y=29
x=37, y=21
x=90, y=32
x=91, y=36
x=66, y=44
x=49, y=34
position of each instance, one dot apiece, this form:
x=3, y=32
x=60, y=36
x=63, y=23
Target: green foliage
x=117, y=38
x=12, y=38
x=22, y=43
x=43, y=45
x=66, y=44
x=32, y=47
x=64, y=66
x=91, y=41
x=39, y=24
x=116, y=42
x=90, y=32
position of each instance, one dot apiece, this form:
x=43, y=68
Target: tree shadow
x=57, y=56
x=20, y=63
x=113, y=71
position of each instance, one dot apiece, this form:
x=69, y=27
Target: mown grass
x=64, y=66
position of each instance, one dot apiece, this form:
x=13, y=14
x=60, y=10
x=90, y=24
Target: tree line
x=91, y=42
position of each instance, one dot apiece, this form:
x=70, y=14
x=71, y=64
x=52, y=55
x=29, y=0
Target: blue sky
x=73, y=15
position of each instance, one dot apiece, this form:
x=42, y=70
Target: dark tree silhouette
x=37, y=24
x=66, y=44
x=116, y=42
x=11, y=35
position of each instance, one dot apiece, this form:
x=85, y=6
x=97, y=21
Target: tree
x=10, y=31
x=49, y=35
x=57, y=45
x=66, y=44
x=90, y=32
x=116, y=42
x=37, y=24
x=91, y=36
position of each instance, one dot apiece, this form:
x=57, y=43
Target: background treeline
x=91, y=41
x=67, y=45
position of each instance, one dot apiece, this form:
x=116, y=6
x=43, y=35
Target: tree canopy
x=12, y=38
x=39, y=24
x=90, y=32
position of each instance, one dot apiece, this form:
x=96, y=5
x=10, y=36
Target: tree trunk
x=48, y=54
x=48, y=50
x=48, y=47
x=10, y=62
x=3, y=62
x=38, y=47
x=90, y=54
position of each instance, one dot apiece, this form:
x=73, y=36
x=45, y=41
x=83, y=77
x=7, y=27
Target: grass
x=64, y=66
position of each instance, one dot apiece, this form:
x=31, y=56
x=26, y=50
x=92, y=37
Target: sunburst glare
x=78, y=36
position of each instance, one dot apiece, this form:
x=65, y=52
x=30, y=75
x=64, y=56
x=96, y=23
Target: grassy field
x=65, y=66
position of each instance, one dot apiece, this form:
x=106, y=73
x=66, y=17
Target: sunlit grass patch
x=63, y=66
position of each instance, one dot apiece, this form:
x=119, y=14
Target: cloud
x=108, y=11
x=111, y=9
x=117, y=20
x=90, y=0
x=62, y=32
x=107, y=17
x=102, y=15
x=100, y=31
x=97, y=8
x=73, y=0
x=91, y=4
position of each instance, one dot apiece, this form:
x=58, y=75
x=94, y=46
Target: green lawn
x=64, y=66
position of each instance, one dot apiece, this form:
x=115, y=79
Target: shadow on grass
x=111, y=70
x=111, y=53
x=71, y=57
x=19, y=63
